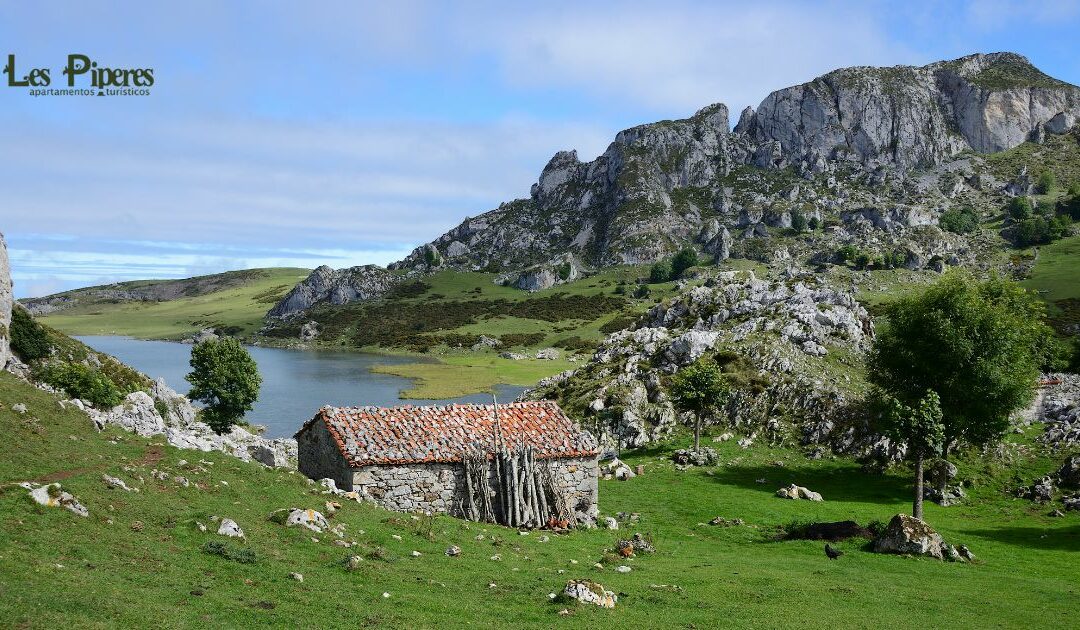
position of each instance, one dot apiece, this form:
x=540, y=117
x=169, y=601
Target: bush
x=642, y=291
x=685, y=259
x=847, y=253
x=862, y=260
x=798, y=221
x=621, y=322
x=1045, y=183
x=243, y=555
x=83, y=382
x=29, y=341
x=959, y=220
x=521, y=339
x=660, y=272
x=1019, y=208
x=814, y=223
x=1041, y=231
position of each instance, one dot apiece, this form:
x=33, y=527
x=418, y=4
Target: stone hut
x=412, y=458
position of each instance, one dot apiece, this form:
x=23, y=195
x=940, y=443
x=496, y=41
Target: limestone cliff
x=329, y=286
x=6, y=303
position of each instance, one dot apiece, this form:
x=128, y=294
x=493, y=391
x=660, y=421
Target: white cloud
x=680, y=58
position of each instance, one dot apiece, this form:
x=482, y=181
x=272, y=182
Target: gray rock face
x=662, y=186
x=6, y=302
x=907, y=116
x=327, y=286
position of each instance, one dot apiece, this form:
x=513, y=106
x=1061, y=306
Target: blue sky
x=284, y=133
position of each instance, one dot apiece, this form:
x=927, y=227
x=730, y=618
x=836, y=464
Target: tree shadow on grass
x=1049, y=538
x=834, y=483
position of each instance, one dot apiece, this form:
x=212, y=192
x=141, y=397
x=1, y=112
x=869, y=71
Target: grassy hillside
x=239, y=308
x=138, y=558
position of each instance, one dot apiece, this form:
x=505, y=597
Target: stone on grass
x=115, y=483
x=52, y=495
x=704, y=456
x=453, y=551
x=610, y=523
x=622, y=568
x=909, y=535
x=590, y=593
x=310, y=519
x=798, y=492
x=299, y=577
x=18, y=408
x=230, y=528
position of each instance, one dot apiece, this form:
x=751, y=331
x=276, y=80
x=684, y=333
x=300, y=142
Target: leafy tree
x=959, y=220
x=660, y=272
x=226, y=379
x=685, y=259
x=813, y=223
x=642, y=291
x=29, y=340
x=847, y=253
x=1040, y=230
x=862, y=260
x=798, y=221
x=699, y=388
x=921, y=428
x=1019, y=208
x=978, y=345
x=1046, y=182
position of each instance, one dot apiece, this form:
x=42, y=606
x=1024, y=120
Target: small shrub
x=798, y=221
x=862, y=260
x=1019, y=209
x=813, y=223
x=1045, y=183
x=229, y=551
x=685, y=259
x=847, y=253
x=621, y=322
x=660, y=272
x=959, y=220
x=81, y=381
x=29, y=340
x=642, y=291
x=521, y=339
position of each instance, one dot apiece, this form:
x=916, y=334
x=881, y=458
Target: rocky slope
x=329, y=286
x=791, y=348
x=872, y=142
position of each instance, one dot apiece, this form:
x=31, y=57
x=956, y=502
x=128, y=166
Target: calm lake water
x=296, y=383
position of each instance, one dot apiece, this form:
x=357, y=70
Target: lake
x=296, y=383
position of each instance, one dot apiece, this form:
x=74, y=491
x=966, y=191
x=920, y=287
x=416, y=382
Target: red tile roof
x=407, y=435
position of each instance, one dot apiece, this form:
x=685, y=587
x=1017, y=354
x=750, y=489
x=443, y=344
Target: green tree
x=226, y=379
x=920, y=427
x=685, y=259
x=814, y=223
x=700, y=389
x=978, y=345
x=847, y=253
x=862, y=260
x=1046, y=182
x=660, y=272
x=962, y=220
x=82, y=382
x=1019, y=208
x=798, y=221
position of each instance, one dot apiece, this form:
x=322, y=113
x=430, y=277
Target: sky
x=346, y=133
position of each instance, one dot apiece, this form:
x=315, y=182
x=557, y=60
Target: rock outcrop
x=909, y=535
x=779, y=328
x=906, y=117
x=329, y=286
x=6, y=303
x=662, y=186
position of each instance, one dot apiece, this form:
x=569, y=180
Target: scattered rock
x=610, y=523
x=296, y=517
x=229, y=528
x=549, y=354
x=909, y=535
x=724, y=522
x=590, y=593
x=299, y=577
x=798, y=492
x=113, y=482
x=453, y=551
x=52, y=495
x=704, y=456
x=19, y=408
x=622, y=568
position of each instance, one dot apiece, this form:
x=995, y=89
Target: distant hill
x=235, y=301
